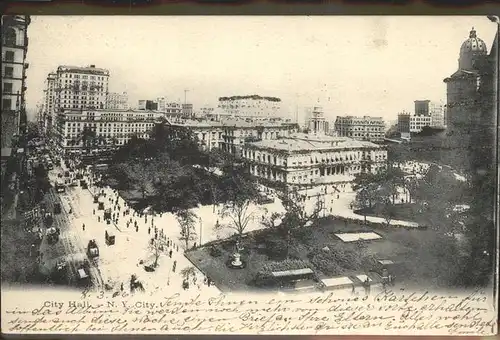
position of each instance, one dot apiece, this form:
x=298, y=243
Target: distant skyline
x=376, y=66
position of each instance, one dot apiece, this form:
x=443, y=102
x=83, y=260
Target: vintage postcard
x=249, y=175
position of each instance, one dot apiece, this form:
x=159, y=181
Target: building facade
x=437, y=110
x=320, y=167
x=417, y=123
x=361, y=128
x=187, y=110
x=14, y=66
x=74, y=88
x=231, y=135
x=404, y=122
x=470, y=108
x=117, y=101
x=254, y=107
x=80, y=131
x=49, y=101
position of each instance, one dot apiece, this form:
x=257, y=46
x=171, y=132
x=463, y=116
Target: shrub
x=276, y=249
x=215, y=251
x=335, y=261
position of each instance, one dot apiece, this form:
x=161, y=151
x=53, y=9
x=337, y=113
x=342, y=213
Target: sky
x=374, y=66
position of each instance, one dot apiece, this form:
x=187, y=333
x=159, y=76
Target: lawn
x=406, y=212
x=403, y=246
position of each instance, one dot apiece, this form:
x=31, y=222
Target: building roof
x=473, y=44
x=254, y=97
x=461, y=74
x=84, y=69
x=231, y=123
x=298, y=142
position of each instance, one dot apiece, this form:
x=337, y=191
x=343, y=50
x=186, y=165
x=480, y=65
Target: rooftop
x=231, y=123
x=254, y=97
x=84, y=69
x=299, y=142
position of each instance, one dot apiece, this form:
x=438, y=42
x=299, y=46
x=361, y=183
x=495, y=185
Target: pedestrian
x=170, y=253
x=194, y=245
x=121, y=287
x=149, y=231
x=175, y=265
x=93, y=212
x=98, y=218
x=136, y=229
x=83, y=227
x=156, y=236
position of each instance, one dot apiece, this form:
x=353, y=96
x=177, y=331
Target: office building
x=254, y=107
x=361, y=128
x=14, y=66
x=117, y=101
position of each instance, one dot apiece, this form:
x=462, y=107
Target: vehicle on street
x=57, y=208
x=48, y=219
x=53, y=235
x=92, y=250
x=109, y=237
x=60, y=187
x=107, y=214
x=83, y=184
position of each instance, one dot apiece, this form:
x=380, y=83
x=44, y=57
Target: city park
x=228, y=229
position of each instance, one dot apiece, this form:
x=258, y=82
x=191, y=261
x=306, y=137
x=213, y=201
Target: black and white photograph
x=344, y=158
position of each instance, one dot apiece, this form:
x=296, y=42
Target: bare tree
x=187, y=222
x=240, y=214
x=157, y=247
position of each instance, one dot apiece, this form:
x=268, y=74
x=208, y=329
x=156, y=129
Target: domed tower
x=472, y=49
x=465, y=102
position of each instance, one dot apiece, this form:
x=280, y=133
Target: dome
x=471, y=47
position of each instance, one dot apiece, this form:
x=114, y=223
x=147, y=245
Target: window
x=6, y=104
x=7, y=87
x=8, y=72
x=9, y=36
x=9, y=55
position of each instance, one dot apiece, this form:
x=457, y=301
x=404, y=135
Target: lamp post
x=201, y=228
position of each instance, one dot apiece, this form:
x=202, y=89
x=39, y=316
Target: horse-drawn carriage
x=92, y=250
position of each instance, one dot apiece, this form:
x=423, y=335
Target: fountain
x=236, y=262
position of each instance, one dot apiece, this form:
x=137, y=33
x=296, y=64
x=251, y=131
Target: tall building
x=187, y=110
x=361, y=128
x=470, y=99
x=253, y=107
x=462, y=86
x=117, y=101
x=404, y=122
x=437, y=111
x=422, y=108
x=76, y=87
x=14, y=50
x=432, y=109
x=49, y=102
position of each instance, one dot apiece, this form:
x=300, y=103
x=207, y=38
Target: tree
x=295, y=216
x=140, y=175
x=187, y=222
x=158, y=247
x=363, y=201
x=241, y=191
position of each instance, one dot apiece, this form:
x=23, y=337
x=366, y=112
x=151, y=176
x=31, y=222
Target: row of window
x=84, y=76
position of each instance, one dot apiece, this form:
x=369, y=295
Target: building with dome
x=470, y=96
